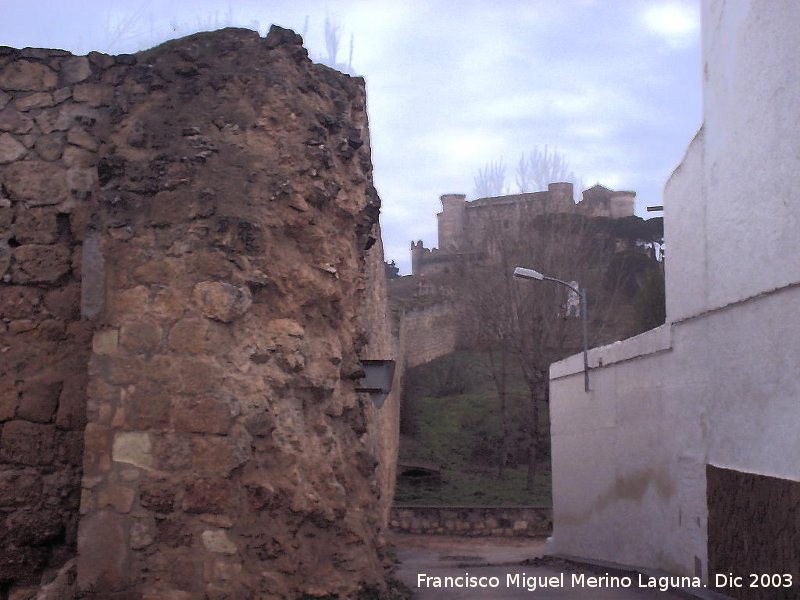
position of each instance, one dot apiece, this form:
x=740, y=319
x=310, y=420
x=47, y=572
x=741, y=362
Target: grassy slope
x=460, y=434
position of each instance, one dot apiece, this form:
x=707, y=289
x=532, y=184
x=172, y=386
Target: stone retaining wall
x=511, y=521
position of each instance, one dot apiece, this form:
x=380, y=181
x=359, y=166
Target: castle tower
x=417, y=252
x=451, y=222
x=560, y=197
x=621, y=204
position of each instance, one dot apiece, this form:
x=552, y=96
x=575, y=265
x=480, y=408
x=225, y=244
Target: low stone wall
x=511, y=521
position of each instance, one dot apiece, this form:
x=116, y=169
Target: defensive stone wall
x=426, y=333
x=48, y=148
x=187, y=291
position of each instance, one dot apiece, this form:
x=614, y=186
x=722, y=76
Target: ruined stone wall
x=221, y=188
x=382, y=344
x=48, y=146
x=426, y=333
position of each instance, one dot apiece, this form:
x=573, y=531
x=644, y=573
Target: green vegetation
x=451, y=421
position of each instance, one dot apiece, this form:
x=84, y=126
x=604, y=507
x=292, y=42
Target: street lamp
x=523, y=273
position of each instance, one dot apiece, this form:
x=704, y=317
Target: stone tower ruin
x=191, y=272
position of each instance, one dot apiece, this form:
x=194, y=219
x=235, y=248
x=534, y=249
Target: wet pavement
x=503, y=568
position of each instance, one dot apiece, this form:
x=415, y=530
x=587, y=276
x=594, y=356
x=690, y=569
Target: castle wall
x=48, y=147
x=427, y=333
x=229, y=296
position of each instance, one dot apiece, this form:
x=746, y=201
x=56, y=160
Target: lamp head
x=524, y=273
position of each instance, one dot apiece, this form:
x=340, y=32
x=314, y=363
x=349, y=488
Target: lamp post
x=523, y=273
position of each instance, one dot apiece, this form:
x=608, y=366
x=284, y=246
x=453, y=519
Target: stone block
x=134, y=448
x=126, y=370
x=10, y=149
x=62, y=94
x=198, y=376
x=217, y=541
x=38, y=263
x=217, y=456
x=35, y=100
x=140, y=337
x=210, y=496
x=174, y=452
x=189, y=336
x=93, y=94
x=105, y=341
x=34, y=182
x=37, y=225
x=146, y=406
x=15, y=122
x=27, y=75
x=222, y=301
x=202, y=414
x=38, y=400
x=170, y=303
x=27, y=443
x=19, y=302
x=130, y=301
x=50, y=146
x=75, y=69
x=103, y=555
x=156, y=271
x=212, y=264
x=4, y=99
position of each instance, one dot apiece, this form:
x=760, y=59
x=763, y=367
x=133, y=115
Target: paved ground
x=502, y=558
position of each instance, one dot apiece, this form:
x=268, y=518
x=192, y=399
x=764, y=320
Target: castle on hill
x=464, y=226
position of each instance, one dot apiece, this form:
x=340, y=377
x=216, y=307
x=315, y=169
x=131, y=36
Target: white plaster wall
x=629, y=457
x=751, y=91
x=720, y=383
x=684, y=224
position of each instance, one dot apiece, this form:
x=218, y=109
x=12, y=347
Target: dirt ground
x=516, y=563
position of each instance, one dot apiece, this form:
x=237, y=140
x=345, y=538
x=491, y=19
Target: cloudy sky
x=614, y=85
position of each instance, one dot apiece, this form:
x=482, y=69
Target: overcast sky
x=614, y=85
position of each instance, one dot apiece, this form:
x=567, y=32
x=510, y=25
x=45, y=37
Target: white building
x=685, y=456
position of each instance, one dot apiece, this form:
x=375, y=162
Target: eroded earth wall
x=225, y=218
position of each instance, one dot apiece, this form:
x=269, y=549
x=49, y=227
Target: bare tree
x=491, y=180
x=333, y=35
x=533, y=173
x=529, y=323
x=541, y=167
